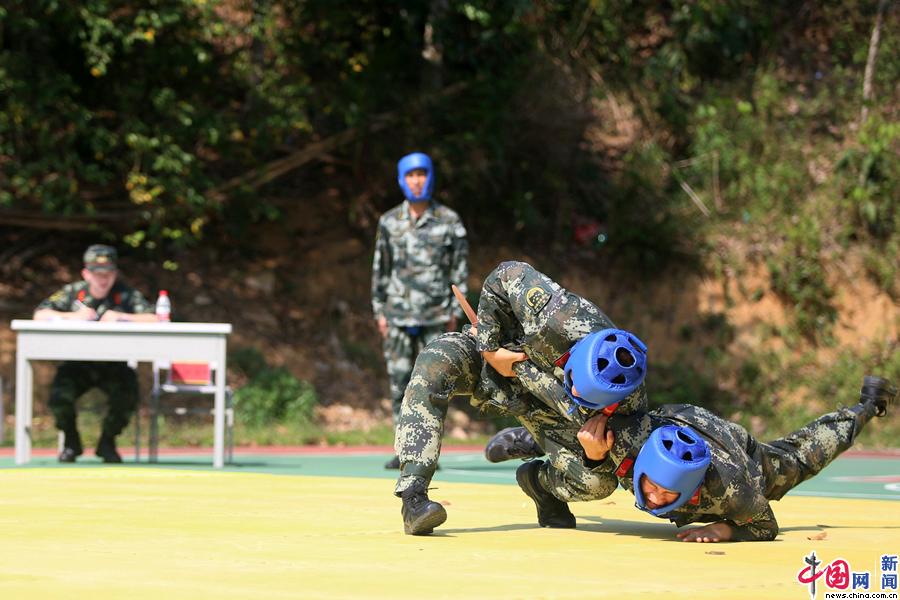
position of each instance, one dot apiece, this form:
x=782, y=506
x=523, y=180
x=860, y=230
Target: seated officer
x=101, y=296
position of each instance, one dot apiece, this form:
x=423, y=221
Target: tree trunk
x=870, y=61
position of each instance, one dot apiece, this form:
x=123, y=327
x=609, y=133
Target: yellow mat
x=155, y=533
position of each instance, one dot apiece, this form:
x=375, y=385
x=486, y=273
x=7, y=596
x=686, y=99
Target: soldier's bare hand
x=503, y=360
x=595, y=438
x=714, y=532
x=84, y=313
x=382, y=326
x=451, y=324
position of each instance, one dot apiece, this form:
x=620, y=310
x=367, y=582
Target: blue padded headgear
x=605, y=366
x=416, y=160
x=674, y=457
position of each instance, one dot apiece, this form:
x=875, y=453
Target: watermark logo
x=838, y=575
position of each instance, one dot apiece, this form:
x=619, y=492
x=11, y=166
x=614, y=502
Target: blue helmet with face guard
x=604, y=367
x=674, y=457
x=410, y=162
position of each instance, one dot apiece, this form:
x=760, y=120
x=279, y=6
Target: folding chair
x=187, y=378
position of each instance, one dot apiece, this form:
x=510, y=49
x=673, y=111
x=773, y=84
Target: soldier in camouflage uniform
x=738, y=476
x=523, y=309
x=536, y=328
x=101, y=296
x=420, y=250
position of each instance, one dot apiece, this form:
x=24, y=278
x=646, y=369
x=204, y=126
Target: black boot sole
x=503, y=446
x=878, y=391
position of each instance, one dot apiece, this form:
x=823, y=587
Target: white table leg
x=23, y=409
x=219, y=416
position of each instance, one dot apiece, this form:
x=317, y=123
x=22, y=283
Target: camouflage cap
x=100, y=257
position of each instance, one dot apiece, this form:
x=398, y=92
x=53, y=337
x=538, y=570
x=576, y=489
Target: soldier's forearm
x=761, y=531
x=141, y=317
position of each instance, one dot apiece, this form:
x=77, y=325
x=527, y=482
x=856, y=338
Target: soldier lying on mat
x=685, y=464
x=524, y=310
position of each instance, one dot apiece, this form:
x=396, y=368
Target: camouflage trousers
x=788, y=461
x=450, y=367
x=117, y=380
x=563, y=473
x=400, y=351
x=447, y=367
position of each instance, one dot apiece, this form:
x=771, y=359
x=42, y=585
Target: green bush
x=247, y=361
x=798, y=276
x=271, y=394
x=275, y=395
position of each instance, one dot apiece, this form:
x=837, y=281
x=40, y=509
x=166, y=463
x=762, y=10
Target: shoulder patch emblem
x=537, y=298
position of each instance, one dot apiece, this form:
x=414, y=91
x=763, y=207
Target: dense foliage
x=136, y=114
x=633, y=133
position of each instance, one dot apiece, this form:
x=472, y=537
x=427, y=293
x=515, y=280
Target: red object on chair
x=190, y=373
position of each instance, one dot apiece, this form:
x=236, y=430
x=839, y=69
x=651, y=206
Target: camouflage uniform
x=744, y=474
x=413, y=267
x=448, y=367
x=520, y=308
x=73, y=379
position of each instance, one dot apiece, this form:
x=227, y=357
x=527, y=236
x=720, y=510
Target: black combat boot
x=393, y=464
x=420, y=515
x=106, y=449
x=71, y=446
x=552, y=512
x=879, y=391
x=510, y=443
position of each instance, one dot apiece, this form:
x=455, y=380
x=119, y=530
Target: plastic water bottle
x=163, y=306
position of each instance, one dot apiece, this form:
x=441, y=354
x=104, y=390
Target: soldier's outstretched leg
x=72, y=379
x=551, y=511
x=119, y=382
x=447, y=367
x=510, y=443
x=790, y=460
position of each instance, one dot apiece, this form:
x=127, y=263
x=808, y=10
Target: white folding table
x=120, y=342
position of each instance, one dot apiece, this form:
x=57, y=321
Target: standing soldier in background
x=420, y=250
x=99, y=297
